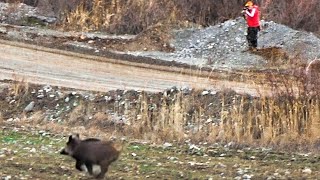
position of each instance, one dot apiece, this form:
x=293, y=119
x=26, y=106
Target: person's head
x=249, y=4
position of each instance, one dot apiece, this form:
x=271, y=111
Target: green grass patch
x=32, y=155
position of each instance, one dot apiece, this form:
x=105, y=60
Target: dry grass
x=19, y=90
x=275, y=56
x=298, y=14
x=312, y=73
x=92, y=15
x=132, y=17
x=282, y=120
x=275, y=121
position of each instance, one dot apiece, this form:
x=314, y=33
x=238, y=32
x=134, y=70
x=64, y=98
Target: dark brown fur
x=91, y=152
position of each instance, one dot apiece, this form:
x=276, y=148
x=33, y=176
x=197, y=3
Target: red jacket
x=253, y=16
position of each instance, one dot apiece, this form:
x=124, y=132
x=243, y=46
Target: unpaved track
x=66, y=69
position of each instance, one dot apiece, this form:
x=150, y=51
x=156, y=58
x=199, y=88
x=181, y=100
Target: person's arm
x=251, y=14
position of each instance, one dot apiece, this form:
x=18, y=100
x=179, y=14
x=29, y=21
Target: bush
x=298, y=14
x=132, y=17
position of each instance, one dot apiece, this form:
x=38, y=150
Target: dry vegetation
x=132, y=17
x=127, y=16
x=288, y=118
x=34, y=154
x=279, y=121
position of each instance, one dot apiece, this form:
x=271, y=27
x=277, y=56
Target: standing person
x=251, y=13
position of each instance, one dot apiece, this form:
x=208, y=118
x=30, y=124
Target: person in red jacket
x=251, y=13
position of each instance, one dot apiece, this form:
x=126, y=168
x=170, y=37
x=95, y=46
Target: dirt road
x=61, y=68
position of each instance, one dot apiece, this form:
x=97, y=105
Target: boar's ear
x=70, y=138
x=74, y=137
x=63, y=151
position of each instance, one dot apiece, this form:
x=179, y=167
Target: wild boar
x=91, y=155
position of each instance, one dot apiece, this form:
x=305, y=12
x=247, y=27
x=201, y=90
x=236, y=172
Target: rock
x=40, y=96
x=307, y=170
x=209, y=121
x=29, y=107
x=204, y=93
x=194, y=147
x=47, y=88
x=220, y=165
x=247, y=176
x=173, y=158
x=167, y=145
x=252, y=157
x=240, y=171
x=33, y=150
x=3, y=30
x=7, y=178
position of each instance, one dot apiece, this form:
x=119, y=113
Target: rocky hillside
x=224, y=46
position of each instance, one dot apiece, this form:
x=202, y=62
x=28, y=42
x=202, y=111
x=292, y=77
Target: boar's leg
x=81, y=166
x=104, y=169
x=89, y=167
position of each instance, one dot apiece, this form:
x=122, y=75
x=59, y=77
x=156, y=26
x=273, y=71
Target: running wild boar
x=92, y=155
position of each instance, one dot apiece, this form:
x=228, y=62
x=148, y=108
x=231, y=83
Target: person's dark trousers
x=252, y=36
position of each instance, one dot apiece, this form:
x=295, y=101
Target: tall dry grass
x=19, y=90
x=271, y=121
x=284, y=119
x=298, y=14
x=132, y=17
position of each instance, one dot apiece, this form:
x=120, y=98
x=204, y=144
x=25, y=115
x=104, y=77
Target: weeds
x=274, y=120
x=299, y=14
x=35, y=155
x=133, y=17
x=290, y=116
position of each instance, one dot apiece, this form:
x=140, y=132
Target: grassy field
x=34, y=155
